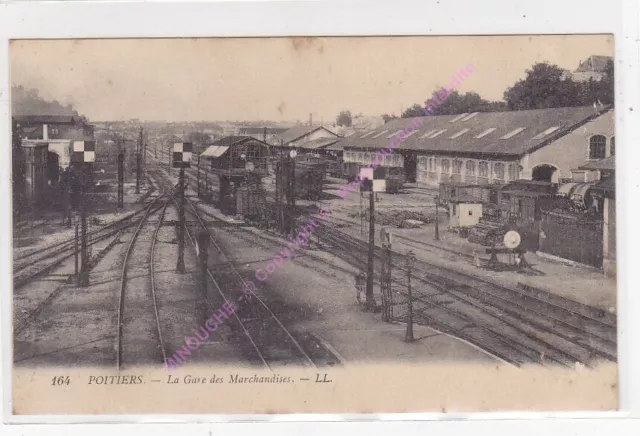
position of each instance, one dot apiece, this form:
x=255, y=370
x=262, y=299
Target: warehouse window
x=612, y=147
x=460, y=133
x=457, y=166
x=430, y=164
x=429, y=133
x=468, y=117
x=546, y=132
x=485, y=133
x=439, y=132
x=513, y=133
x=446, y=168
x=597, y=147
x=394, y=134
x=498, y=171
x=380, y=134
x=470, y=169
x=459, y=117
x=406, y=135
x=483, y=169
x=513, y=171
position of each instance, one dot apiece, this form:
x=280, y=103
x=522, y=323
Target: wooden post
x=180, y=266
x=371, y=302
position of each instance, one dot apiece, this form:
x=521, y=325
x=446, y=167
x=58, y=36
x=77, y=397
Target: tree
x=414, y=111
x=344, y=118
x=606, y=91
x=545, y=87
x=454, y=103
x=387, y=117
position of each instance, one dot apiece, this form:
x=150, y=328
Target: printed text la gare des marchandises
x=187, y=379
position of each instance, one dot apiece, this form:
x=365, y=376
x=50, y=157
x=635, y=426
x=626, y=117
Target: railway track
x=517, y=327
x=269, y=342
x=139, y=335
x=32, y=265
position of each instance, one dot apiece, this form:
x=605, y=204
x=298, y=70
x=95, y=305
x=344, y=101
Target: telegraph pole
x=409, y=334
x=144, y=161
x=436, y=236
x=120, y=174
x=371, y=302
x=138, y=150
x=84, y=267
x=198, y=175
x=180, y=266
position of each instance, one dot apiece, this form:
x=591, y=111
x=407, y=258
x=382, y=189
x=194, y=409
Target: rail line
x=553, y=331
x=272, y=343
x=121, y=343
x=268, y=332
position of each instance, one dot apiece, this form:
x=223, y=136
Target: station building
x=45, y=143
x=490, y=147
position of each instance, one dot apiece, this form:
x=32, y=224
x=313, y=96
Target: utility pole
x=180, y=266
x=436, y=236
x=80, y=182
x=120, y=174
x=144, y=161
x=203, y=256
x=138, y=149
x=409, y=334
x=198, y=175
x=371, y=302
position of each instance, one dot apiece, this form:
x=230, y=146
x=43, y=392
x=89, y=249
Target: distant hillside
x=25, y=101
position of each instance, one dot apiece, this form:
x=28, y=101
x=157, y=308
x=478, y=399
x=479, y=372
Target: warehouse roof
x=298, y=132
x=608, y=163
x=229, y=141
x=511, y=133
x=319, y=143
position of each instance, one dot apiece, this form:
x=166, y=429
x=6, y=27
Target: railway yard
x=138, y=310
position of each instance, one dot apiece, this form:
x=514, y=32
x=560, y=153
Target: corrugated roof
x=298, y=132
x=318, y=143
x=229, y=141
x=608, y=163
x=214, y=151
x=534, y=122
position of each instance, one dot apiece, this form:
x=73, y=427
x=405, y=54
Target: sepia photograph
x=300, y=224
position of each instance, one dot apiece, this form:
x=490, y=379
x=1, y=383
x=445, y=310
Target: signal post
x=181, y=159
x=82, y=157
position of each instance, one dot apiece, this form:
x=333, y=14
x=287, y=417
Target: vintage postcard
x=313, y=225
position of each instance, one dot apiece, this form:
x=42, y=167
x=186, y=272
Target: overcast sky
x=280, y=79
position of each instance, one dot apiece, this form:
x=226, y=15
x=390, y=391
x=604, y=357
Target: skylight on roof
x=485, y=133
x=380, y=134
x=458, y=117
x=429, y=133
x=406, y=135
x=513, y=133
x=394, y=134
x=366, y=134
x=546, y=132
x=468, y=117
x=460, y=133
x=438, y=133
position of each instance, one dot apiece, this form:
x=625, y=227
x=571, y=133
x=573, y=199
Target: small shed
x=465, y=211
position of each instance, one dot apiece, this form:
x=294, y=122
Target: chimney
x=264, y=135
